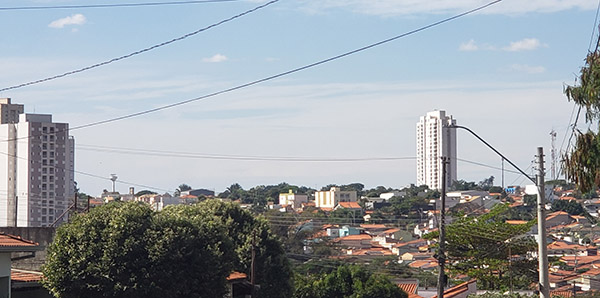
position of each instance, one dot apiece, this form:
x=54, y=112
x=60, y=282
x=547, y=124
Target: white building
x=292, y=200
x=328, y=199
x=433, y=142
x=36, y=170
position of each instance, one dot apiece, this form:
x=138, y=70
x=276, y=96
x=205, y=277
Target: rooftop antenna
x=553, y=174
x=113, y=178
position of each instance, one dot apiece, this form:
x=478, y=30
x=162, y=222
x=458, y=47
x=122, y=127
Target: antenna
x=113, y=178
x=553, y=174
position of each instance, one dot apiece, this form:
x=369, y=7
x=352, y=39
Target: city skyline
x=500, y=71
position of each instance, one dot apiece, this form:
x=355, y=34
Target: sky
x=500, y=71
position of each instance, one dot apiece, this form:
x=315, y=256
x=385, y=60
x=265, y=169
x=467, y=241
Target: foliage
x=570, y=206
x=180, y=188
x=128, y=250
x=463, y=185
x=582, y=164
x=347, y=282
x=273, y=272
x=501, y=295
x=144, y=192
x=480, y=247
x=375, y=192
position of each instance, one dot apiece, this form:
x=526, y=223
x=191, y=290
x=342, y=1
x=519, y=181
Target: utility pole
x=553, y=156
x=253, y=265
x=442, y=240
x=541, y=215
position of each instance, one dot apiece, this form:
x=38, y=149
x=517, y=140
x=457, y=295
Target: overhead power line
x=282, y=74
x=232, y=157
x=114, y=5
x=231, y=89
x=140, y=51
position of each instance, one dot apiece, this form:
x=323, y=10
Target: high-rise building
x=434, y=140
x=9, y=112
x=36, y=171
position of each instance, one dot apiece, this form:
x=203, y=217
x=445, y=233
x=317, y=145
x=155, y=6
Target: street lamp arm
x=494, y=149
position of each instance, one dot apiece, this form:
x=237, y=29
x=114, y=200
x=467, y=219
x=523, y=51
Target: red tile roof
x=355, y=237
x=349, y=205
x=566, y=294
x=424, y=264
x=410, y=288
x=516, y=222
x=237, y=275
x=7, y=240
x=25, y=276
x=456, y=290
x=373, y=226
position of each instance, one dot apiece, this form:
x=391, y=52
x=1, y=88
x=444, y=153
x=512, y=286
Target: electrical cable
x=140, y=51
x=113, y=5
x=255, y=82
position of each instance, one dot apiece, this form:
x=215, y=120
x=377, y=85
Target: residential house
x=462, y=290
x=360, y=241
x=292, y=200
x=198, y=192
x=8, y=245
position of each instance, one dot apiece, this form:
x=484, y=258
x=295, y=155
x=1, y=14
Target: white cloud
x=411, y=7
x=527, y=68
x=526, y=44
x=468, y=46
x=216, y=58
x=76, y=19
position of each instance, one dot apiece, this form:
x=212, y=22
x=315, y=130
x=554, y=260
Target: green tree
x=582, y=164
x=347, y=282
x=144, y=192
x=570, y=206
x=273, y=272
x=480, y=248
x=127, y=250
x=180, y=188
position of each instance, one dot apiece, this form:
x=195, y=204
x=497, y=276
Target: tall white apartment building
x=36, y=171
x=433, y=142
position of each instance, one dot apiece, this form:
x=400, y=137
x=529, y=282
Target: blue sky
x=500, y=72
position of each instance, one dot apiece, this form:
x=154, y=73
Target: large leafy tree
x=480, y=248
x=582, y=164
x=273, y=272
x=128, y=250
x=347, y=282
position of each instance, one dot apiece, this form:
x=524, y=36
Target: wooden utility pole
x=442, y=240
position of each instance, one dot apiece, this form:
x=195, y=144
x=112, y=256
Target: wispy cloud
x=527, y=68
x=76, y=19
x=527, y=44
x=468, y=46
x=215, y=59
x=411, y=7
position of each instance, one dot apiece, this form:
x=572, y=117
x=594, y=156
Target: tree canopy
x=347, y=282
x=480, y=248
x=582, y=164
x=128, y=250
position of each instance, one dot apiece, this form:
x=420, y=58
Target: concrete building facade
x=434, y=140
x=37, y=170
x=328, y=199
